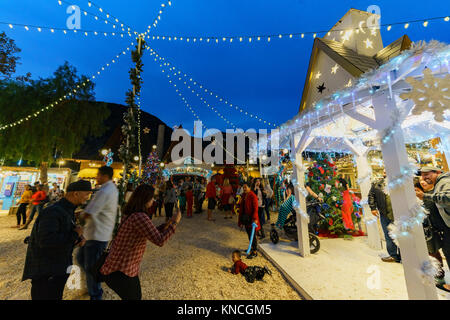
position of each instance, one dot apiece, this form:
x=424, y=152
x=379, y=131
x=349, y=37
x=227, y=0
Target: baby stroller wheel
x=274, y=236
x=314, y=243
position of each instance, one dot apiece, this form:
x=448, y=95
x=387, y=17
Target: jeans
x=446, y=245
x=87, y=256
x=262, y=218
x=48, y=288
x=391, y=247
x=22, y=213
x=128, y=288
x=267, y=205
x=36, y=208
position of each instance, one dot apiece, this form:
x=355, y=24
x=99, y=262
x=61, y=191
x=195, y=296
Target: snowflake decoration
x=441, y=148
x=430, y=94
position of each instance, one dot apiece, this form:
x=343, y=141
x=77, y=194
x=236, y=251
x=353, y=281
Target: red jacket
x=250, y=201
x=211, y=190
x=38, y=197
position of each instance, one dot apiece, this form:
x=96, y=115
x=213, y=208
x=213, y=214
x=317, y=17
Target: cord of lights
x=158, y=18
x=211, y=93
x=193, y=112
x=65, y=97
x=164, y=71
x=198, y=118
x=204, y=101
x=296, y=35
x=64, y=30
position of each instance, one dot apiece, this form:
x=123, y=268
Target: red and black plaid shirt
x=129, y=245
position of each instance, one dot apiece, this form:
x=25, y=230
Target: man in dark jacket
x=440, y=197
x=51, y=243
x=380, y=204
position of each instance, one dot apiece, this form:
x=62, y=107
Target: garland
x=130, y=125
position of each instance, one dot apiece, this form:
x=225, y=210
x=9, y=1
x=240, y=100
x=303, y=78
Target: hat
x=429, y=169
x=80, y=185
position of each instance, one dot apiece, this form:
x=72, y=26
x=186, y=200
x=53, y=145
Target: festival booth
x=14, y=179
x=404, y=101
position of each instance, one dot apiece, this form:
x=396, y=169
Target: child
x=190, y=201
x=250, y=273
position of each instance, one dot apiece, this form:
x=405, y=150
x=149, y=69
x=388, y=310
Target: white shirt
x=103, y=211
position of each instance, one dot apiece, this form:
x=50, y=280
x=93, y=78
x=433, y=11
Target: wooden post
x=413, y=247
x=299, y=176
x=364, y=170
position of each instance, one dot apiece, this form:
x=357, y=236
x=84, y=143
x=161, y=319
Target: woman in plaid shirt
x=121, y=267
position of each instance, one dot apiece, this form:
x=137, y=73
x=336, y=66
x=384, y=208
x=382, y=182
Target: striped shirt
x=284, y=210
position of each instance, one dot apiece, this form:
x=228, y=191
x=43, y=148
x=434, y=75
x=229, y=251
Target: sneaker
x=252, y=255
x=389, y=259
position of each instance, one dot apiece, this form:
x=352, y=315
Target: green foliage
x=129, y=128
x=62, y=128
x=8, y=58
x=323, y=173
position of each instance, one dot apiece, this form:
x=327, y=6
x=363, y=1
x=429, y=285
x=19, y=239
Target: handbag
x=231, y=200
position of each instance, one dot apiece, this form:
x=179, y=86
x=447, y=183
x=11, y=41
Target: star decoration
x=373, y=31
x=146, y=130
x=369, y=43
x=334, y=69
x=349, y=83
x=318, y=74
x=321, y=87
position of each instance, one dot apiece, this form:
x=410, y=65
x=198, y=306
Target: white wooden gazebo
x=406, y=100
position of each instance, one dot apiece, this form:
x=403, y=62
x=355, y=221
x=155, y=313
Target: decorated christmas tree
x=323, y=180
x=152, y=169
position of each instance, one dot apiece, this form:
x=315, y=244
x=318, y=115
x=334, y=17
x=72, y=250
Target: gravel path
x=189, y=266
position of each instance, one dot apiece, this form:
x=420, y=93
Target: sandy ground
x=189, y=266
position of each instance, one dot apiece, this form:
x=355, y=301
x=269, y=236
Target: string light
x=109, y=17
x=301, y=35
x=211, y=93
x=55, y=103
x=54, y=29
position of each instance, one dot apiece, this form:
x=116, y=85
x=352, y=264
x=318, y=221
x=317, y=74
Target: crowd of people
x=111, y=246
x=432, y=187
x=33, y=200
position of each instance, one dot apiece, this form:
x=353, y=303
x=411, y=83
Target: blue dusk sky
x=263, y=78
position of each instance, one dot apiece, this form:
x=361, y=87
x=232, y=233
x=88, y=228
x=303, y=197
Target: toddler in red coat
x=251, y=273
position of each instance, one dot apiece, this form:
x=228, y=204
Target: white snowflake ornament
x=429, y=94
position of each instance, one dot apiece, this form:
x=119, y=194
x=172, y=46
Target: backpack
x=253, y=273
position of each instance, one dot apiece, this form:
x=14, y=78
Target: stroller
x=290, y=226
